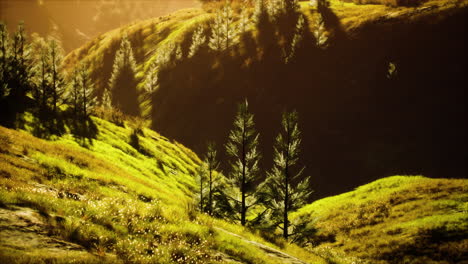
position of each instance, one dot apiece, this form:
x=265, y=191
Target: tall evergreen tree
x=20, y=67
x=229, y=30
x=224, y=34
x=106, y=101
x=4, y=57
x=212, y=165
x=201, y=182
x=43, y=87
x=320, y=32
x=57, y=80
x=88, y=100
x=168, y=55
x=75, y=94
x=207, y=179
x=152, y=80
x=297, y=39
x=285, y=190
x=123, y=83
x=216, y=40
x=244, y=23
x=198, y=40
x=242, y=148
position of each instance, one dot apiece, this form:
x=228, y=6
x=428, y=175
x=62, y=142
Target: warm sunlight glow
x=240, y=131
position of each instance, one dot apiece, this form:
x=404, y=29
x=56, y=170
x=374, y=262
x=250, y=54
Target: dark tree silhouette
x=123, y=83
x=57, y=81
x=42, y=73
x=75, y=94
x=88, y=100
x=16, y=72
x=4, y=50
x=20, y=67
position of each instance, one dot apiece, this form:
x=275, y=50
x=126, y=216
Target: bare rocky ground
x=23, y=230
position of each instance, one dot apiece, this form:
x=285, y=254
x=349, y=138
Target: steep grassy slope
x=351, y=111
x=114, y=199
x=399, y=219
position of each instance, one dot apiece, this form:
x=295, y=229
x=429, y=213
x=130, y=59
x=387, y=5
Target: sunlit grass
x=390, y=216
x=117, y=202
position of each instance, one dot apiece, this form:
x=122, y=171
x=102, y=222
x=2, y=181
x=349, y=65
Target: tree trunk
x=201, y=193
x=286, y=184
x=54, y=87
x=210, y=194
x=243, y=187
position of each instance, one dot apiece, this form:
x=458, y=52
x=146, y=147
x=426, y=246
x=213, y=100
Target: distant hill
x=76, y=22
x=385, y=96
x=399, y=219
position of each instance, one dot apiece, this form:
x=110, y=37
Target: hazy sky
x=76, y=21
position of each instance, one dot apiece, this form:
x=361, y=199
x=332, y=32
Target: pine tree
x=228, y=29
x=212, y=165
x=75, y=94
x=40, y=68
x=242, y=148
x=224, y=33
x=20, y=66
x=201, y=182
x=285, y=191
x=106, y=101
x=43, y=88
x=297, y=39
x=57, y=81
x=178, y=52
x=123, y=83
x=244, y=23
x=88, y=99
x=198, y=40
x=4, y=57
x=320, y=32
x=152, y=80
x=216, y=40
x=168, y=54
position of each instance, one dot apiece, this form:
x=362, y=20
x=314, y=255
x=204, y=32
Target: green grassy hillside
x=351, y=110
x=399, y=219
x=116, y=201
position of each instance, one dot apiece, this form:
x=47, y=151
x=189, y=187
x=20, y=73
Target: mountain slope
x=110, y=198
x=352, y=111
x=399, y=219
